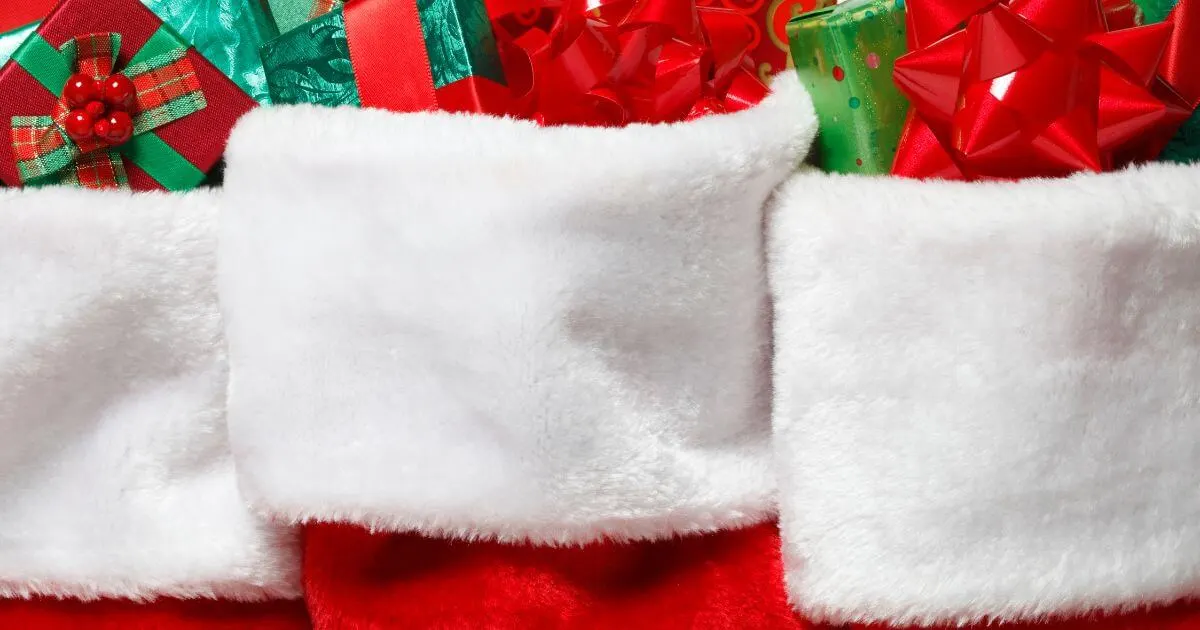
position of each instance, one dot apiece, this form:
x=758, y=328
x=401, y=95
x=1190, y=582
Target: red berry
x=80, y=89
x=79, y=125
x=95, y=108
x=116, y=129
x=119, y=93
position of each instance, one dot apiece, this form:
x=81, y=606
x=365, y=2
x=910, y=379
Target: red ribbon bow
x=613, y=62
x=1026, y=88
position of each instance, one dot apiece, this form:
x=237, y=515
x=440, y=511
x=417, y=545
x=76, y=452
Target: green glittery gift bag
x=844, y=55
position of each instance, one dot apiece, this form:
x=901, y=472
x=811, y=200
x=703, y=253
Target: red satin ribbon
x=613, y=62
x=399, y=78
x=1026, y=88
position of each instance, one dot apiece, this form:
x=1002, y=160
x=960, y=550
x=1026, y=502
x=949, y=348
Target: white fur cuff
x=988, y=395
x=115, y=473
x=474, y=326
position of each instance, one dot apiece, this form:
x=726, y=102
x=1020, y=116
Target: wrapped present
x=771, y=52
x=546, y=60
x=18, y=19
x=1041, y=88
x=401, y=55
x=845, y=55
x=290, y=14
x=226, y=32
x=111, y=96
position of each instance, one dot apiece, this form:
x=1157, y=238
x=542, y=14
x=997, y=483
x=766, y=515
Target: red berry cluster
x=100, y=109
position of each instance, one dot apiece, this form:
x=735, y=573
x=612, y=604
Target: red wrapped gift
x=180, y=108
x=770, y=50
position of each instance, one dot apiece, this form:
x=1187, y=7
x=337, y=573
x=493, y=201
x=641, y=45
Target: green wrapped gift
x=10, y=40
x=290, y=14
x=401, y=55
x=844, y=55
x=227, y=32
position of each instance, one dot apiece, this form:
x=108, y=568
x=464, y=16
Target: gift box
x=166, y=128
x=289, y=14
x=228, y=33
x=770, y=52
x=845, y=55
x=401, y=55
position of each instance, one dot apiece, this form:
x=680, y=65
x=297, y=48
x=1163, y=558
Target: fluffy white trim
x=477, y=327
x=988, y=395
x=115, y=473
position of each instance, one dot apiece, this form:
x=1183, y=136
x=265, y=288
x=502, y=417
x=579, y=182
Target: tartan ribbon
x=167, y=89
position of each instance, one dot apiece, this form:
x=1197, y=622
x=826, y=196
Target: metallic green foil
x=11, y=40
x=311, y=64
x=845, y=55
x=227, y=32
x=460, y=41
x=291, y=14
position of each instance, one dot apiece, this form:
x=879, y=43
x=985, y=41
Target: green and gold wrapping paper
x=228, y=33
x=11, y=40
x=845, y=55
x=312, y=63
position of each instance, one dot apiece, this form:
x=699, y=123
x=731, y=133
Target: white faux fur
x=115, y=473
x=988, y=395
x=477, y=327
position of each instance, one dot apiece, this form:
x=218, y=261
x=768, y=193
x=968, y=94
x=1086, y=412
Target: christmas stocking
x=510, y=376
x=119, y=507
x=986, y=399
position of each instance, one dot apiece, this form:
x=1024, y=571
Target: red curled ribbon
x=615, y=62
x=1026, y=88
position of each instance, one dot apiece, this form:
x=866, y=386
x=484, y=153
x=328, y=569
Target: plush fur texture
x=478, y=328
x=115, y=472
x=988, y=395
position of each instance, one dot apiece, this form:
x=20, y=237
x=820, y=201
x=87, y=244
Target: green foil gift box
x=400, y=55
x=291, y=14
x=845, y=55
x=228, y=33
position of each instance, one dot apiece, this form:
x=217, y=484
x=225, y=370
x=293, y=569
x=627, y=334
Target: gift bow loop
x=166, y=89
x=610, y=62
x=1021, y=88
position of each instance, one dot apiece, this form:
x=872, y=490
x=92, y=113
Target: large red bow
x=1027, y=88
x=612, y=62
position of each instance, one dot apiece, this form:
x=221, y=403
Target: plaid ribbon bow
x=167, y=89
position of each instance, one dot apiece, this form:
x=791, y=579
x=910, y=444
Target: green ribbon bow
x=167, y=90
